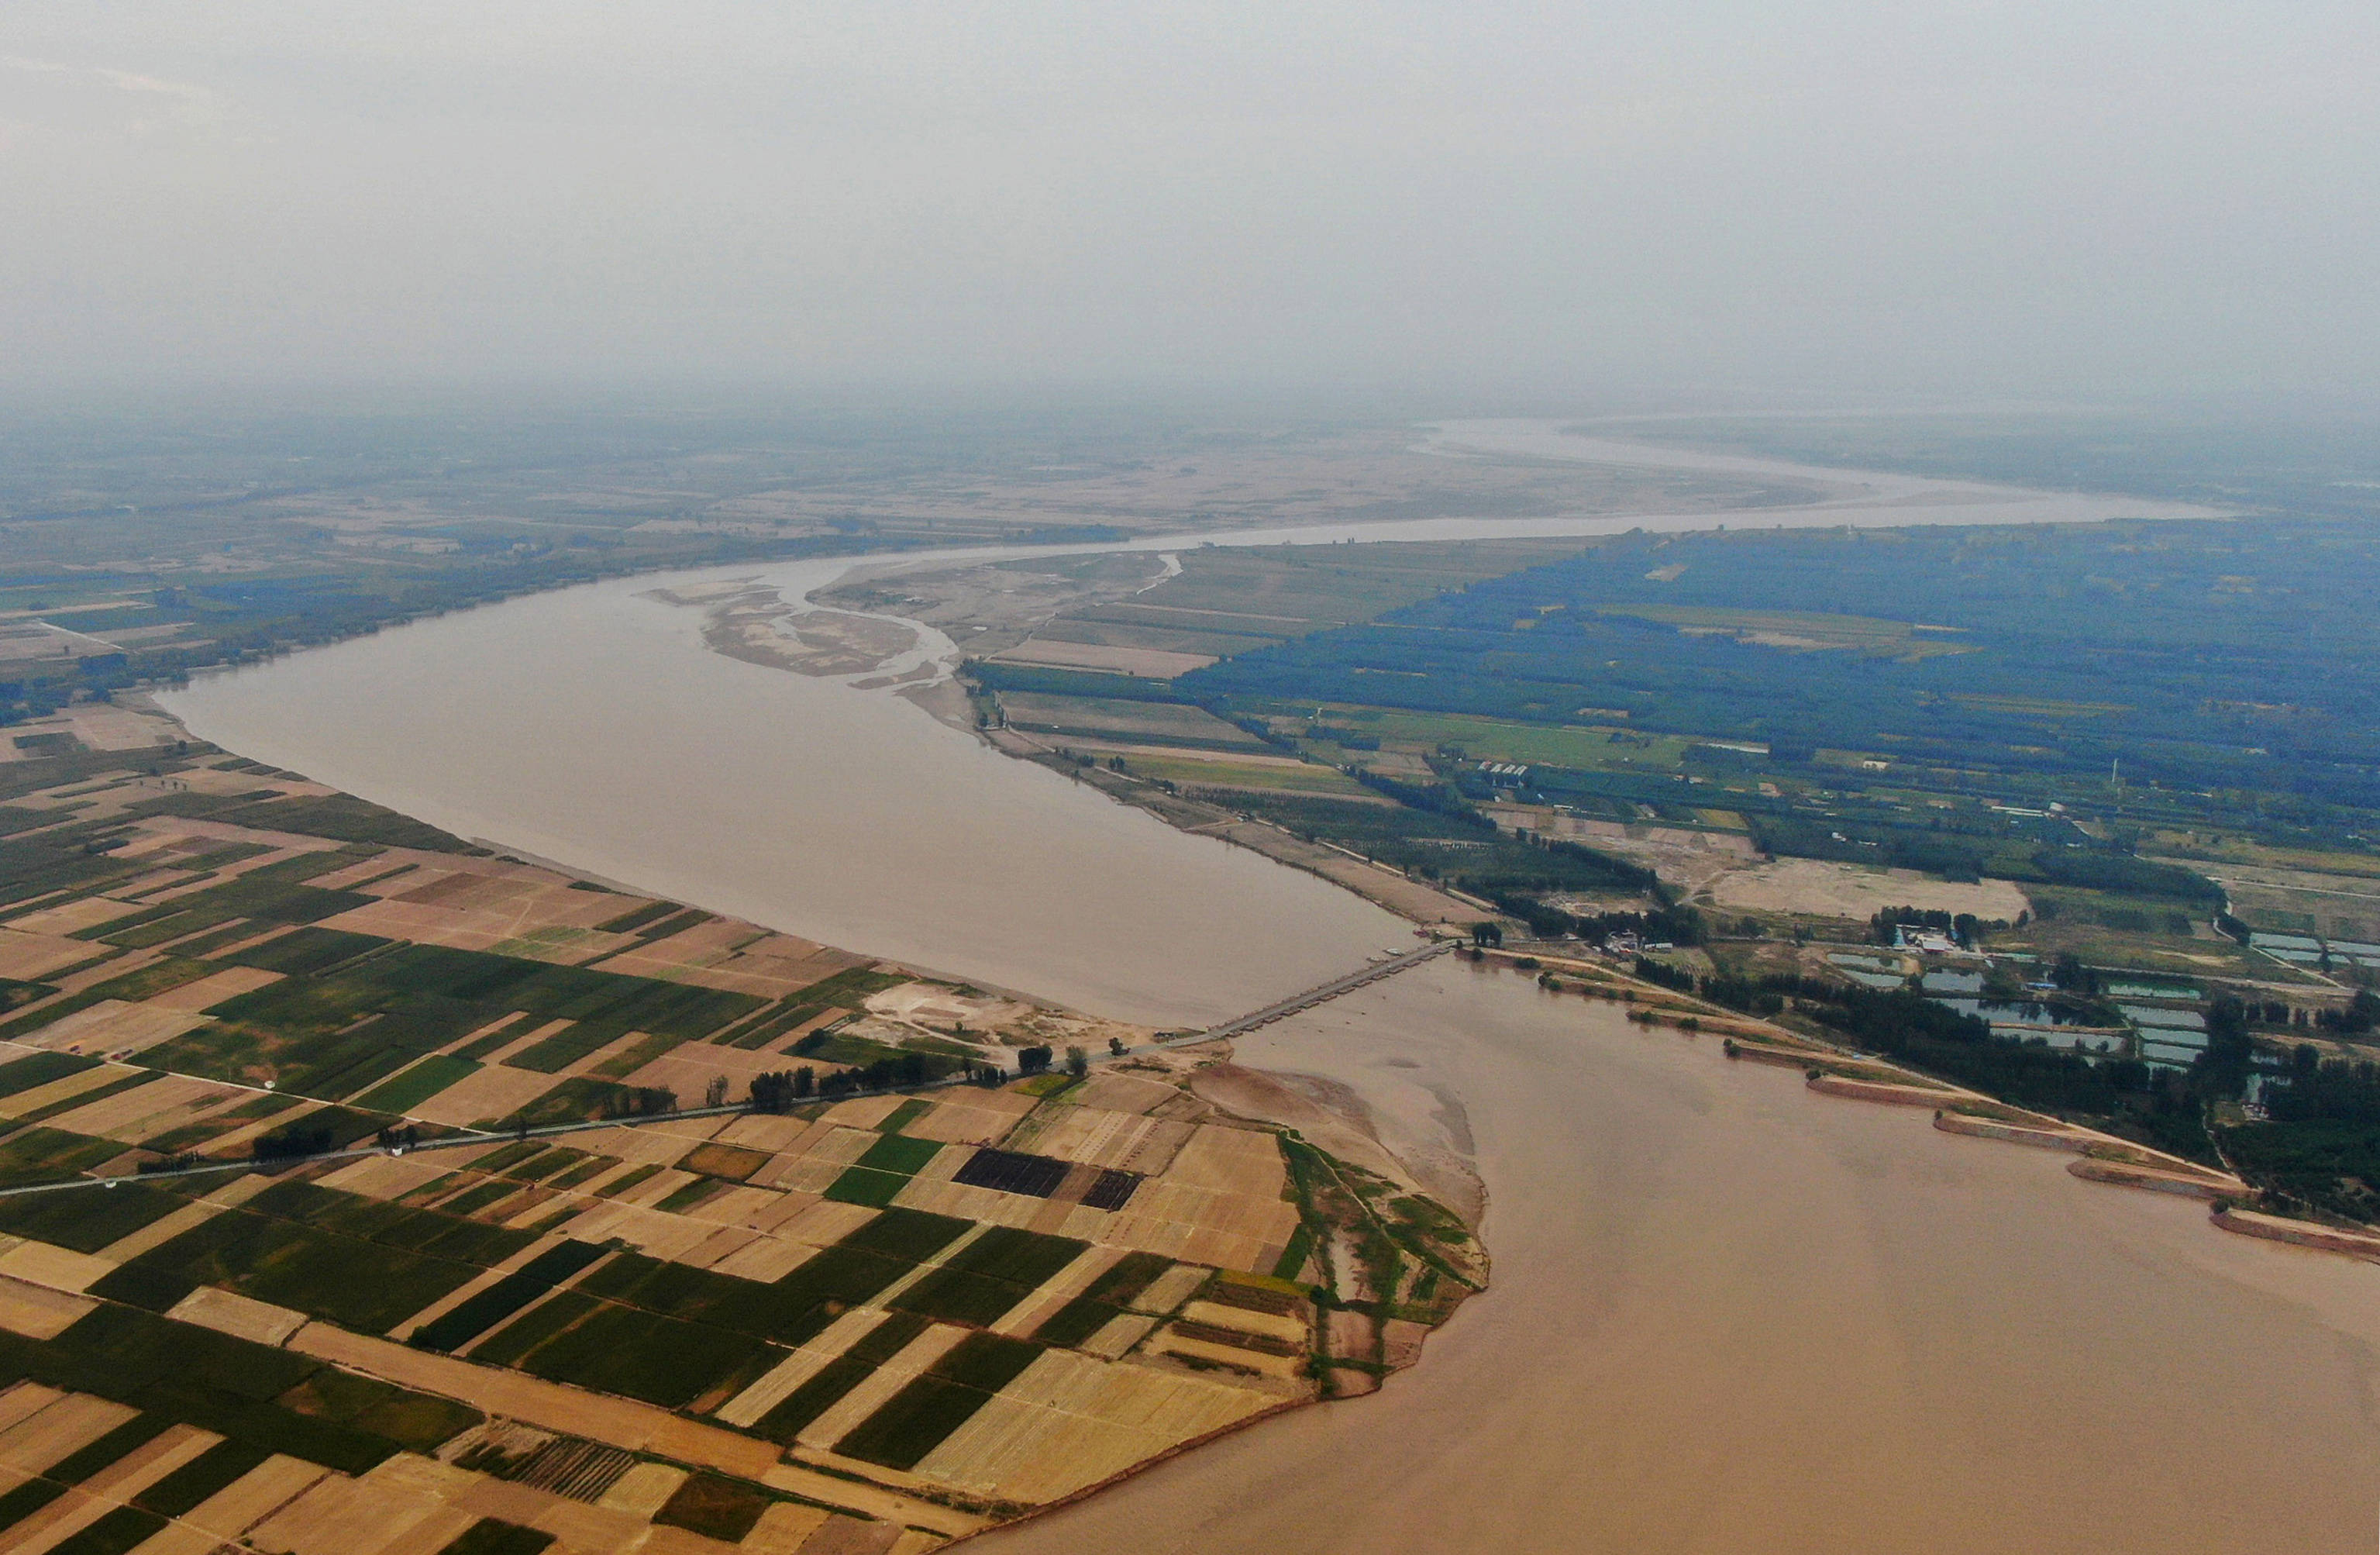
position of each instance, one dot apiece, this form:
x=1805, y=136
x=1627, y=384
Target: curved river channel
x=1729, y=1315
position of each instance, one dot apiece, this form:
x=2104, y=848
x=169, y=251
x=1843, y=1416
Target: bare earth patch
x=1818, y=887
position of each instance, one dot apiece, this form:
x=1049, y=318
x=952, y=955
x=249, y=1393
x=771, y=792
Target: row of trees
x=1961, y=926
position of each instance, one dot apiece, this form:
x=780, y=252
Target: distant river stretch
x=1729, y=1315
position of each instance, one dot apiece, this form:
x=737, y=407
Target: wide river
x=1729, y=1315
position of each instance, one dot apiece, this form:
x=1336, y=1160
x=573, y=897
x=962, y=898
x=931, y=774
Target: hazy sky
x=2088, y=196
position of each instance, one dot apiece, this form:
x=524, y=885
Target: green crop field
x=410, y=1089
x=1106, y=1299
x=360, y=1285
x=541, y=1322
x=839, y=1376
x=917, y=1419
x=883, y=1170
x=643, y=1356
x=992, y=1275
x=83, y=1220
x=1111, y=718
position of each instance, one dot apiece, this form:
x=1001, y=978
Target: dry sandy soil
x=1816, y=886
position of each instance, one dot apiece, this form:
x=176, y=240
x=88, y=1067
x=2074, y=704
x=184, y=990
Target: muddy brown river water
x=1729, y=1315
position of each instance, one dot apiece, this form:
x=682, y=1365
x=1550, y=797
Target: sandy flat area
x=336, y=1515
x=1069, y=1421
x=68, y=917
x=1152, y=663
x=1816, y=886
x=494, y=1091
x=60, y=1269
x=37, y=1312
x=63, y=1425
x=239, y=1506
x=148, y=1109
x=111, y=1025
x=241, y=1317
x=212, y=988
x=27, y=958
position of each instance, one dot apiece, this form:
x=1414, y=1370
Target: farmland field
x=344, y=1027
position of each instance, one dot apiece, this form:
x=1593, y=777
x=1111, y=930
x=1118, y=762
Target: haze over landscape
x=1589, y=200
x=829, y=779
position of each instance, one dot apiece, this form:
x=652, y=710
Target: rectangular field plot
x=403, y=1092
x=1068, y=1422
x=729, y=1162
x=1010, y=1171
x=357, y=1284
x=1106, y=1300
x=1157, y=721
x=643, y=1356
x=38, y=1155
x=303, y=950
x=1112, y=1189
x=795, y=1308
x=917, y=1419
x=506, y=1296
x=992, y=1275
x=883, y=1170
x=827, y=1384
x=268, y=1398
x=86, y=1220
x=21, y=1074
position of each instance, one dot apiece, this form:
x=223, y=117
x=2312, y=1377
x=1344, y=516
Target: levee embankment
x=2015, y=1133
x=2189, y=1184
x=2299, y=1234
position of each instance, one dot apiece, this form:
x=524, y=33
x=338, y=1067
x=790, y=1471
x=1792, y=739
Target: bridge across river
x=1313, y=996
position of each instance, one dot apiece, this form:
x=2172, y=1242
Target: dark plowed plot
x=1113, y=1189
x=1252, y=1298
x=1010, y=1171
x=1263, y=1343
x=566, y=1466
x=581, y=1470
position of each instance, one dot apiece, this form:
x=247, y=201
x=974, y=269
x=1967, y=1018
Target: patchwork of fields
x=812, y=1316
